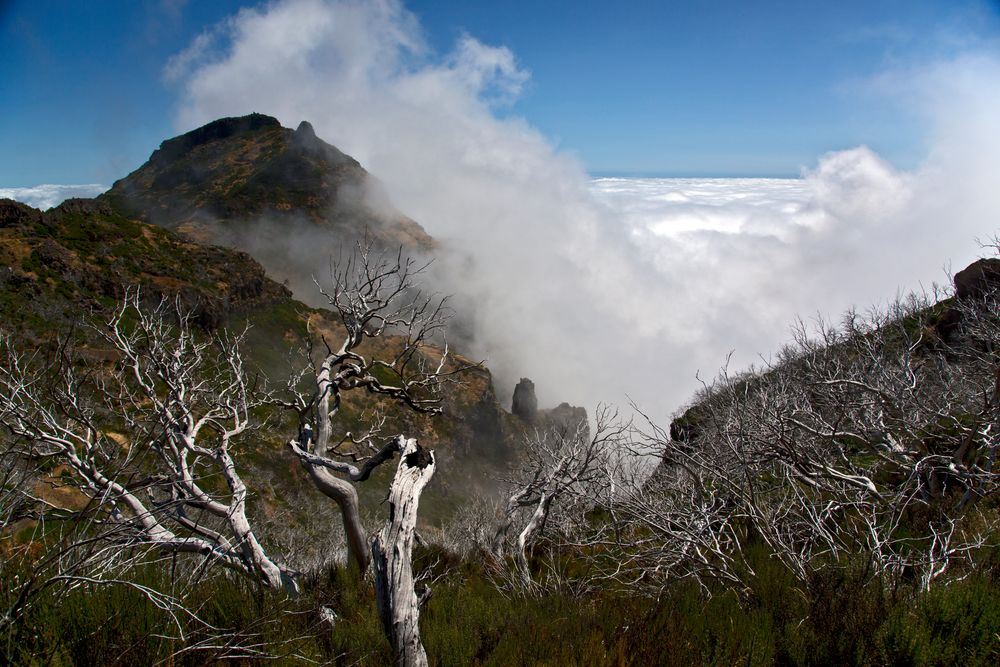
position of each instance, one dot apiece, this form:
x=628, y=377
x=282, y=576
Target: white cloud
x=857, y=185
x=487, y=69
x=180, y=64
x=598, y=290
x=46, y=196
x=674, y=206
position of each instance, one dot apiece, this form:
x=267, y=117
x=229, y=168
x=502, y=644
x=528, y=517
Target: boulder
x=978, y=279
x=972, y=283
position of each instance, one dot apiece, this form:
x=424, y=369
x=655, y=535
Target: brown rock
x=978, y=279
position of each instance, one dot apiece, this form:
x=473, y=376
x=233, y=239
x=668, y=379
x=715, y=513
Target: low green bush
x=845, y=616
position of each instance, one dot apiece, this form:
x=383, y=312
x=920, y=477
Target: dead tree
x=139, y=436
x=562, y=467
x=682, y=521
x=374, y=297
x=891, y=425
x=51, y=542
x=392, y=549
x=108, y=460
x=872, y=439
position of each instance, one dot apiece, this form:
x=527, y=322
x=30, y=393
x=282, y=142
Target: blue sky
x=696, y=88
x=482, y=121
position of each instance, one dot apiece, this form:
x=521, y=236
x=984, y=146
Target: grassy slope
x=840, y=620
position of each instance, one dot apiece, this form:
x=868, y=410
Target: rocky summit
x=232, y=172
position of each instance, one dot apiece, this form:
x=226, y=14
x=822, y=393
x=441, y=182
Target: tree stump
x=392, y=557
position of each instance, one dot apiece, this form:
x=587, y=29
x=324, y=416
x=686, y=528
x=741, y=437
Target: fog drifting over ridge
x=592, y=294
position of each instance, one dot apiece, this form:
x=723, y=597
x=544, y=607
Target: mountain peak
x=305, y=130
x=223, y=128
x=246, y=168
x=285, y=196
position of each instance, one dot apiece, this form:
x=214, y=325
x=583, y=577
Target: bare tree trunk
x=346, y=497
x=271, y=572
x=527, y=536
x=340, y=491
x=392, y=550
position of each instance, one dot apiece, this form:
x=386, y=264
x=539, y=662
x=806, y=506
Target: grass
x=843, y=618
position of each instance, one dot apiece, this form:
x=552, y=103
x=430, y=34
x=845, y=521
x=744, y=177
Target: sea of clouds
x=46, y=196
x=605, y=289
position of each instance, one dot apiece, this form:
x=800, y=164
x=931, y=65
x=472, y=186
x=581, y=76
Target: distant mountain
x=286, y=196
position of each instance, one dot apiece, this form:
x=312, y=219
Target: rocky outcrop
x=972, y=284
x=566, y=418
x=306, y=141
x=525, y=403
x=563, y=419
x=978, y=279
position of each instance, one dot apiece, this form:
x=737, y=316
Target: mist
x=595, y=290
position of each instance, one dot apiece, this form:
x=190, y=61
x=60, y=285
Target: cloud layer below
x=602, y=289
x=46, y=196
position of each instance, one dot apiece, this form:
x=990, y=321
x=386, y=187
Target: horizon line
x=619, y=173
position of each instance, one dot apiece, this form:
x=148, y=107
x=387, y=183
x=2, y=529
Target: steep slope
x=918, y=331
x=78, y=258
x=67, y=267
x=864, y=438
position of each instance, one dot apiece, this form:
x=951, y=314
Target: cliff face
x=209, y=182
